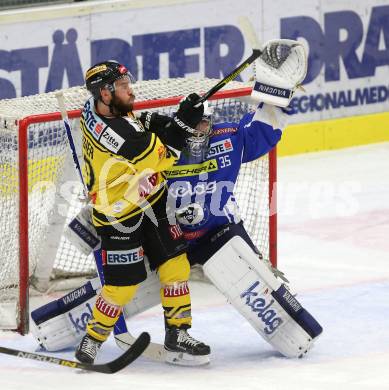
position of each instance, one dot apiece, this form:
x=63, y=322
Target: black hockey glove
x=188, y=116
x=165, y=128
x=153, y=121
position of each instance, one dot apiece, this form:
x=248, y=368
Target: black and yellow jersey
x=123, y=165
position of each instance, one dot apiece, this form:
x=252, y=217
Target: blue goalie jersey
x=202, y=194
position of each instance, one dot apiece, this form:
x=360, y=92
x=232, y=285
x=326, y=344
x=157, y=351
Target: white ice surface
x=333, y=246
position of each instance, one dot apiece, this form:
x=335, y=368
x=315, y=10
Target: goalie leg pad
x=209, y=244
x=147, y=296
x=62, y=323
x=269, y=307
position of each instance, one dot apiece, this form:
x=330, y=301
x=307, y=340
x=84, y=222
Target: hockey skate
x=183, y=349
x=87, y=350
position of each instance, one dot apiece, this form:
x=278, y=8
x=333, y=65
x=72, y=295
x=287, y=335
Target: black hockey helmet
x=103, y=75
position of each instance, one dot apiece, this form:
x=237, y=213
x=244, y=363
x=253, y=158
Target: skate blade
x=185, y=359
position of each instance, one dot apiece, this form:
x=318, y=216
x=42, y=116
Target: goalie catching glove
x=279, y=70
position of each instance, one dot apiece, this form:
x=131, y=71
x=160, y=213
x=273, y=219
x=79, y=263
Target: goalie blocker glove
x=279, y=70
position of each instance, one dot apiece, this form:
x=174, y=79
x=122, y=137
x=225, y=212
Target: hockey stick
x=231, y=76
x=131, y=354
x=154, y=351
x=249, y=33
x=255, y=54
x=66, y=123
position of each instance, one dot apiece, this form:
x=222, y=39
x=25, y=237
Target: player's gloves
x=164, y=127
x=173, y=132
x=279, y=70
x=188, y=116
x=153, y=121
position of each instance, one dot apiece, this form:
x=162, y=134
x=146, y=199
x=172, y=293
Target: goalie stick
x=131, y=354
x=61, y=104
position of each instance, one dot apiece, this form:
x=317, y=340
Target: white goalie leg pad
x=147, y=296
x=62, y=323
x=263, y=300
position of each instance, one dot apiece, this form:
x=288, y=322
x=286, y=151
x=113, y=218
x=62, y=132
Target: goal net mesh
x=54, y=189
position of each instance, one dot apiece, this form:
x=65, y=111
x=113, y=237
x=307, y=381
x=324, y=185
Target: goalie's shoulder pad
x=279, y=70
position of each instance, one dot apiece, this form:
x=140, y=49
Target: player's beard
x=122, y=108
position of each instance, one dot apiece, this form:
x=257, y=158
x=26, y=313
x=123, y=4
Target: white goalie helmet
x=197, y=144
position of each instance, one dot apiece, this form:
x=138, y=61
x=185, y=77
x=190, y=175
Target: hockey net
x=40, y=191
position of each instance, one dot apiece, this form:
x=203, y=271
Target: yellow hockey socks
x=107, y=310
x=175, y=296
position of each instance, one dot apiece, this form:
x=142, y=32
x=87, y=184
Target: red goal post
x=37, y=200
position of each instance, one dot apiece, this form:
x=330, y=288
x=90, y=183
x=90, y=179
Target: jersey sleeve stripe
x=147, y=151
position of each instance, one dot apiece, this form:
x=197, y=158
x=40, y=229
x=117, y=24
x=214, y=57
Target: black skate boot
x=87, y=350
x=183, y=349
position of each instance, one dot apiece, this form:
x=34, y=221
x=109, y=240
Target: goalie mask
x=104, y=75
x=197, y=145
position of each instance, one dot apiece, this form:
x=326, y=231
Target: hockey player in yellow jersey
x=124, y=171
